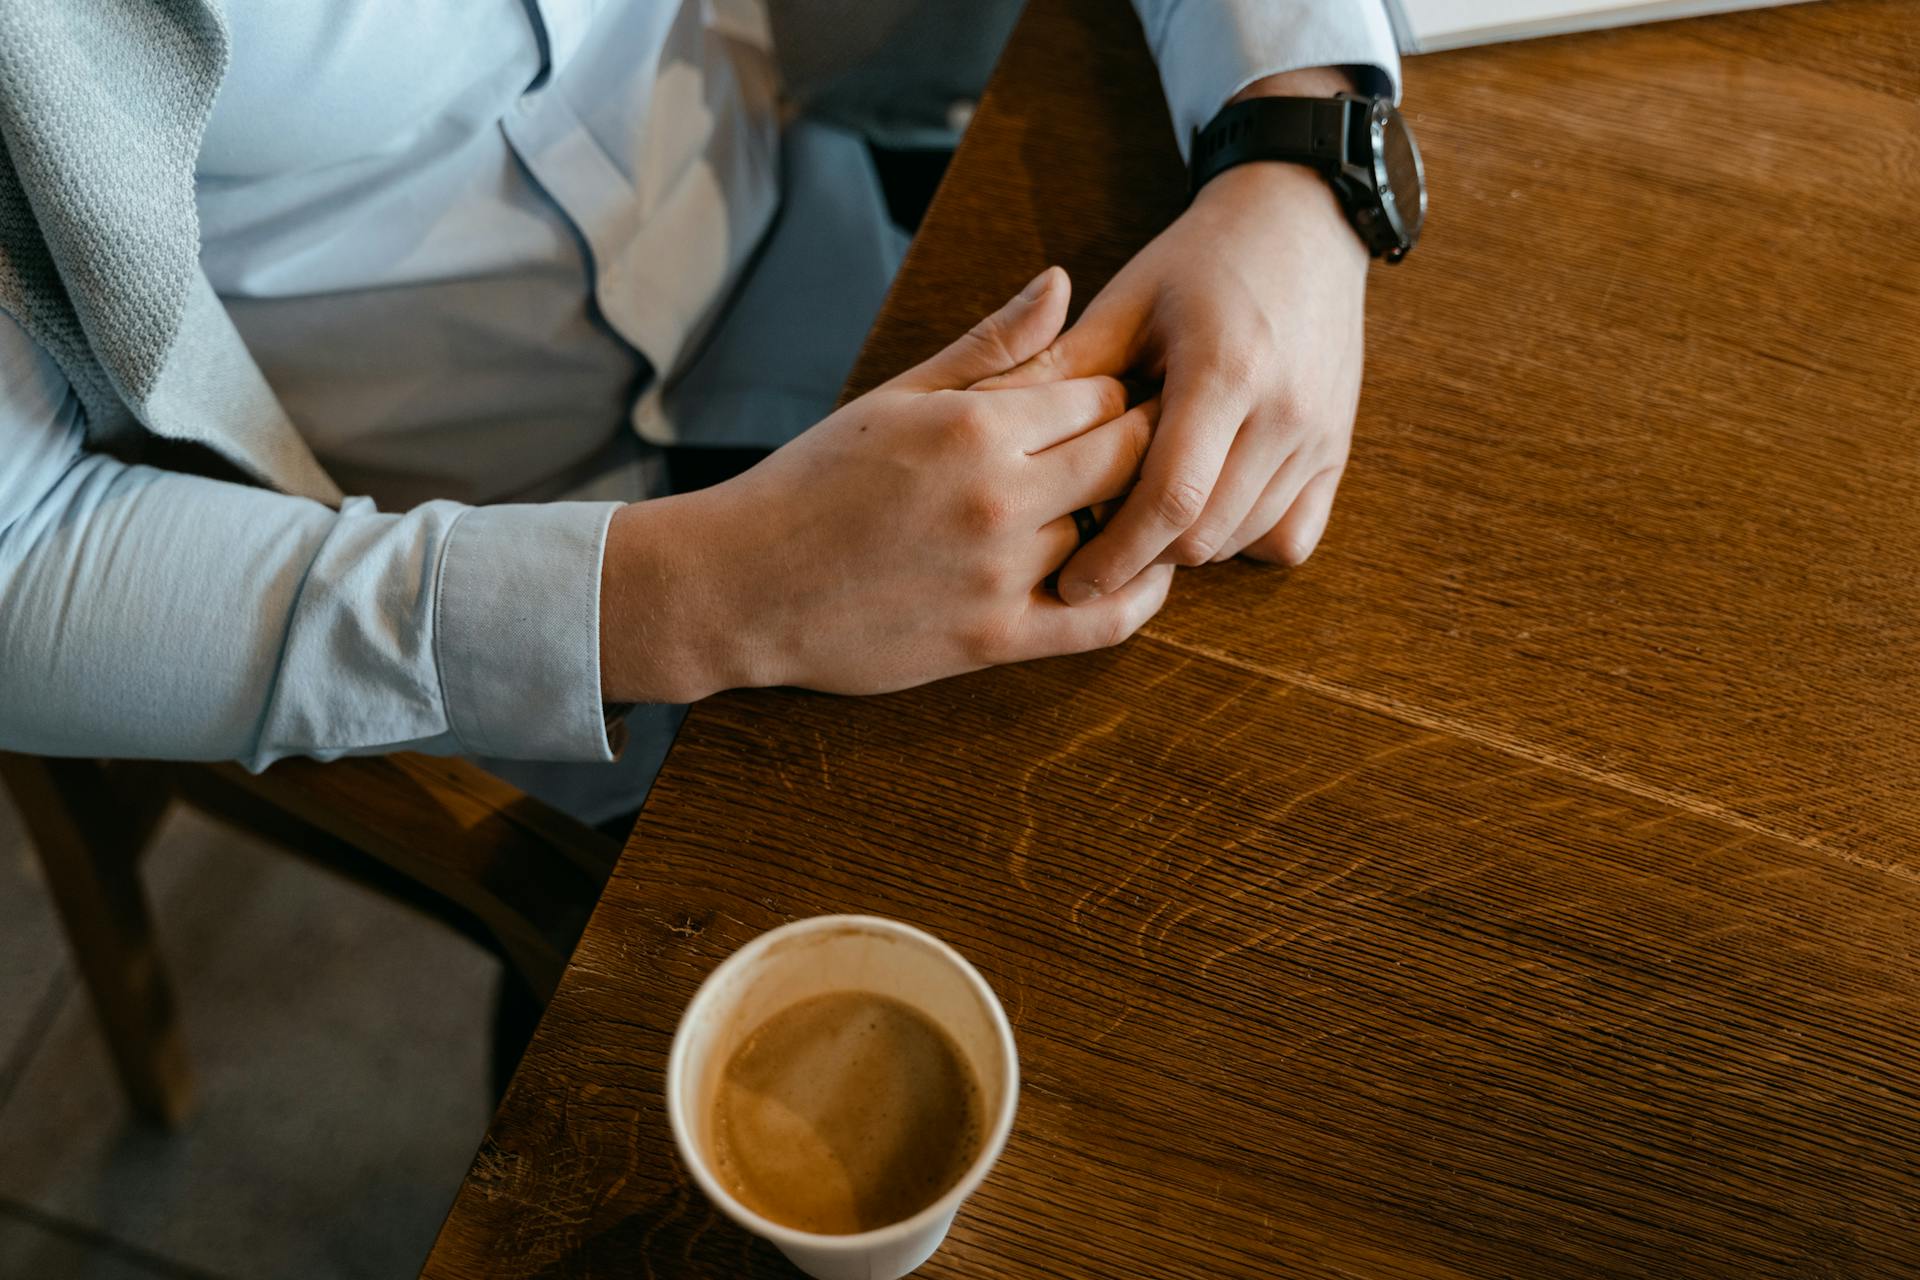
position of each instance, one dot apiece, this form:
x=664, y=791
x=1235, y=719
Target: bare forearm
x=662, y=637
x=1309, y=82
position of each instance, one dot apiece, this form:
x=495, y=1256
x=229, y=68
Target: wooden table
x=1526, y=887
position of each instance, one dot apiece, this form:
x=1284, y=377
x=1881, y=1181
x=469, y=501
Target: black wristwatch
x=1361, y=145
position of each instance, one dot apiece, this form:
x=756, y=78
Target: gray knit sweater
x=102, y=107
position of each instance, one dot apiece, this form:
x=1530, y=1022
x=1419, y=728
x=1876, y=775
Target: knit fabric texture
x=103, y=104
x=102, y=107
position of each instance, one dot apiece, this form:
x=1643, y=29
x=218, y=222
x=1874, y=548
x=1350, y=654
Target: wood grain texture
x=1523, y=888
x=1299, y=989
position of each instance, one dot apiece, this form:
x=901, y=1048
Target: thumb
x=1102, y=340
x=1020, y=329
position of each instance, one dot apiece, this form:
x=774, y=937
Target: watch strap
x=1310, y=131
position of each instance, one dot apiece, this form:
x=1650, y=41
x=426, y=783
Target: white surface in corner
x=1426, y=26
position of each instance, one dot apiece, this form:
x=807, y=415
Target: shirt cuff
x=1209, y=51
x=518, y=631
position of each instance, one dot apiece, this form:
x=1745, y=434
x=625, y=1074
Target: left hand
x=1250, y=309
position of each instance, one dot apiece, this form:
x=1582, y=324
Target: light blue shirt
x=486, y=252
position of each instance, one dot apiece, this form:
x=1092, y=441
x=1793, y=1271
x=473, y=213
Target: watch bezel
x=1380, y=117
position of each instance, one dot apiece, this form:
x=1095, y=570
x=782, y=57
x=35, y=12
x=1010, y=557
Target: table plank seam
x=1544, y=757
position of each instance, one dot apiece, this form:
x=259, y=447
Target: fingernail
x=1079, y=591
x=1037, y=286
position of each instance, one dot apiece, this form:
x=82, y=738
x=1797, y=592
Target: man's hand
x=907, y=537
x=1250, y=308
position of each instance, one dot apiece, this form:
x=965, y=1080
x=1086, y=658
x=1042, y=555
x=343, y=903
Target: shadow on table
x=677, y=1234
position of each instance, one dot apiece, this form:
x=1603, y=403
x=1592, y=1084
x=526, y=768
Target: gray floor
x=338, y=1043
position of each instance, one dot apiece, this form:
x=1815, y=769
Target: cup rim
x=993, y=1141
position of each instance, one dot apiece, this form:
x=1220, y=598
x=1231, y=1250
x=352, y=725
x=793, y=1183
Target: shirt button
x=959, y=114
x=525, y=103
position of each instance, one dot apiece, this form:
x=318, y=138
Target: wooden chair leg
x=89, y=830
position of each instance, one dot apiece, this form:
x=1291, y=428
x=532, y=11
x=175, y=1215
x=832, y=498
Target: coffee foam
x=844, y=1112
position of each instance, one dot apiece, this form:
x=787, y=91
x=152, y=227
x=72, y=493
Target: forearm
x=1276, y=189
x=1282, y=193
x=1308, y=82
x=146, y=613
x=665, y=634
x=159, y=615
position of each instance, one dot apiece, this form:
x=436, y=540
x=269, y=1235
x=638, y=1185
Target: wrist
x=1282, y=185
x=667, y=631
x=1281, y=198
x=1308, y=82
x=1285, y=185
x=1278, y=186
x=1362, y=146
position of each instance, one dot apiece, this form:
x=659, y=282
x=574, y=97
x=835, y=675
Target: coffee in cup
x=844, y=1112
x=840, y=1086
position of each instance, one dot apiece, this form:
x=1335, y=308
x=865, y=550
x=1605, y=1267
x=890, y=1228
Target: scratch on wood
x=826, y=770
x=1398, y=710
x=1112, y=1026
x=1022, y=849
x=1258, y=940
x=1287, y=810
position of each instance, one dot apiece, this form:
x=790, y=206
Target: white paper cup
x=814, y=957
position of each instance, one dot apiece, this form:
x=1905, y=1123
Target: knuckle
x=1234, y=369
x=989, y=642
x=968, y=423
x=1140, y=438
x=991, y=580
x=1112, y=396
x=1178, y=502
x=986, y=510
x=988, y=339
x=1287, y=406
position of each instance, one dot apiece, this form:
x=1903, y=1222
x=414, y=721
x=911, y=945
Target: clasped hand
x=907, y=537
x=912, y=535
x=1249, y=310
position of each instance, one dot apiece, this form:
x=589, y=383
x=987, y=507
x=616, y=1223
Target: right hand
x=905, y=538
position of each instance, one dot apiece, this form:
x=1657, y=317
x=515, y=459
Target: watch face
x=1403, y=189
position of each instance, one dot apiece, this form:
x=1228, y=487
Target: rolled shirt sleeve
x=1209, y=50
x=518, y=630
x=146, y=613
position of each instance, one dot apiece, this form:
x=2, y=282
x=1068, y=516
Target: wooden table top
x=1529, y=885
